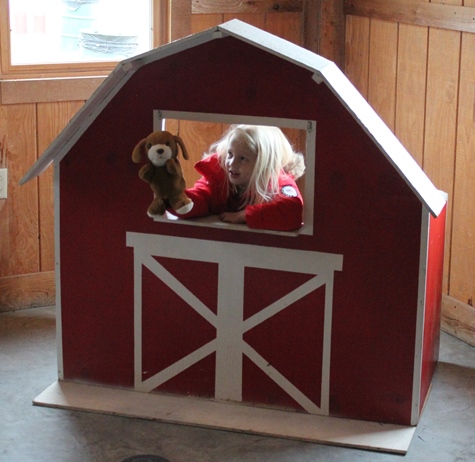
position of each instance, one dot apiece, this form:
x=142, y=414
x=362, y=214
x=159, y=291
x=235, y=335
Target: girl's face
x=240, y=163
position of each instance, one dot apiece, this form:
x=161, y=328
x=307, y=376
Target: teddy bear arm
x=174, y=167
x=146, y=173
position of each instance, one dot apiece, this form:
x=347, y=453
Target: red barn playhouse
x=321, y=334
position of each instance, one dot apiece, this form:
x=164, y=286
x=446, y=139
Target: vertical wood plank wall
x=418, y=77
x=421, y=81
x=26, y=216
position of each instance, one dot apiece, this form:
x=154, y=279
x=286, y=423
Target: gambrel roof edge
x=328, y=72
x=385, y=139
x=103, y=95
x=323, y=71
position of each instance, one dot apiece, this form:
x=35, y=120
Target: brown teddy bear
x=163, y=172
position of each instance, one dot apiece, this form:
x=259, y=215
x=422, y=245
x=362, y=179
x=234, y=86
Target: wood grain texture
x=198, y=136
x=256, y=20
x=19, y=252
x=48, y=90
x=180, y=19
x=332, y=31
x=382, y=69
x=435, y=14
x=27, y=291
x=245, y=6
x=411, y=85
x=52, y=118
x=312, y=21
x=462, y=268
x=441, y=119
x=434, y=115
x=458, y=319
x=357, y=52
x=288, y=26
x=201, y=22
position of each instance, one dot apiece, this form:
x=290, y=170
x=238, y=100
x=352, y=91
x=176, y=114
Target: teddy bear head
x=158, y=147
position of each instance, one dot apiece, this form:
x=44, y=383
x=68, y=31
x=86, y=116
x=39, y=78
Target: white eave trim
x=322, y=70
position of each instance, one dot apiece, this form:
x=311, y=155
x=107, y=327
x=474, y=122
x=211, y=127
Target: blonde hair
x=274, y=154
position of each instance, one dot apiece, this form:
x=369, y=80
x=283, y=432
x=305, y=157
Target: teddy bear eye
x=149, y=145
x=168, y=143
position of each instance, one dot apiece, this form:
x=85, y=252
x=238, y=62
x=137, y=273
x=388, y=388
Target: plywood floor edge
x=228, y=416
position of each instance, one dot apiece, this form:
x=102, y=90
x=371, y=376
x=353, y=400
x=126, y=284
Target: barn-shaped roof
x=324, y=71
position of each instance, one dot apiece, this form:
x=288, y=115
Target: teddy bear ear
x=180, y=143
x=138, y=151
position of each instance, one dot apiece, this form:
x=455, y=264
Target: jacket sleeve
x=282, y=214
x=201, y=195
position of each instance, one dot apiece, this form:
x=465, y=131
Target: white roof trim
x=385, y=139
x=323, y=71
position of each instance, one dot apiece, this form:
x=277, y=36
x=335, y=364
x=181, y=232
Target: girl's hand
x=233, y=217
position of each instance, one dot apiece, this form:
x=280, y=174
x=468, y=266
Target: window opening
x=297, y=128
x=78, y=31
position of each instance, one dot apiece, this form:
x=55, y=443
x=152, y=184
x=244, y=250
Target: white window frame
x=310, y=128
x=160, y=33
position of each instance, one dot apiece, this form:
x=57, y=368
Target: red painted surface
x=363, y=210
x=172, y=329
x=435, y=265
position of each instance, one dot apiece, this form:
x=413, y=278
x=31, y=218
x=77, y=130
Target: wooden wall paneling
x=27, y=291
x=245, y=6
x=44, y=90
x=288, y=26
x=198, y=137
x=4, y=210
x=357, y=52
x=201, y=22
x=462, y=276
x=52, y=118
x=458, y=319
x=411, y=88
x=180, y=19
x=311, y=26
x=382, y=69
x=441, y=121
x=256, y=20
x=331, y=27
x=19, y=215
x=444, y=14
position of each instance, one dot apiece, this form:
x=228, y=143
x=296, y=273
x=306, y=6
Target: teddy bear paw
x=185, y=209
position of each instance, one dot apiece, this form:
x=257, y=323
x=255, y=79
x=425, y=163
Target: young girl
x=249, y=177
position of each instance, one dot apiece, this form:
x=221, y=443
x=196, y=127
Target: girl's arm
x=200, y=194
x=233, y=217
x=282, y=214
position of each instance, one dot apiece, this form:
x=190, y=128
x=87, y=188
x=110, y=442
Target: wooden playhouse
x=323, y=334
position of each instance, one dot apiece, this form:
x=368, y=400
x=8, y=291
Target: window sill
x=48, y=90
x=213, y=221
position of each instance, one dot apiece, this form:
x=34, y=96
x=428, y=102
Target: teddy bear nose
x=160, y=151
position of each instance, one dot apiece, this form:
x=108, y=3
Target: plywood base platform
x=227, y=416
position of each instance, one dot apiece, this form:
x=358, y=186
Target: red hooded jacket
x=210, y=197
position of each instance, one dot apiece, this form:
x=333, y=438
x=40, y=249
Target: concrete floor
x=30, y=433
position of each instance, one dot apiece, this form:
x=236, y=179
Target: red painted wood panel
x=363, y=211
